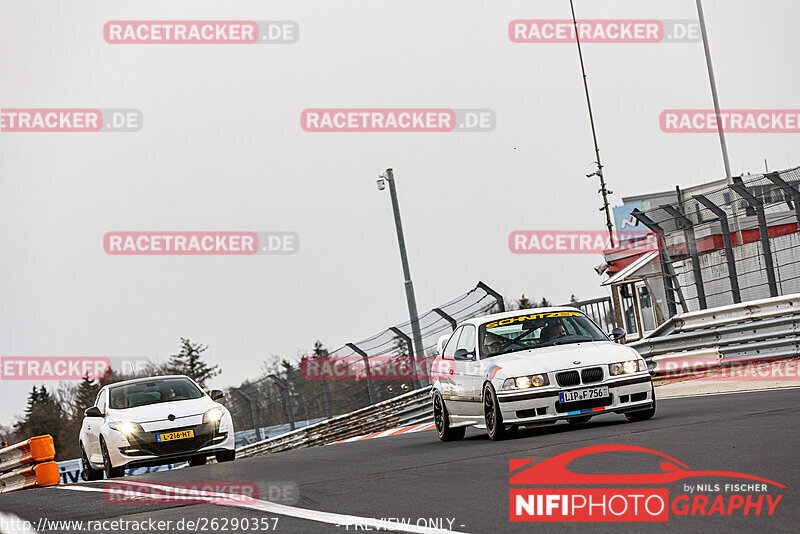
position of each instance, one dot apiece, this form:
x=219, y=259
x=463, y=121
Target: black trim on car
x=171, y=458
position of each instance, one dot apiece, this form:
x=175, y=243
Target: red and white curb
x=391, y=432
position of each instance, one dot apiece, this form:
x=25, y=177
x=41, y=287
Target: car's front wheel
x=644, y=415
x=442, y=421
x=89, y=473
x=225, y=456
x=111, y=471
x=491, y=414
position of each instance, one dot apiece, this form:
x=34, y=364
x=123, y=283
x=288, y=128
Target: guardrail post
x=793, y=193
x=691, y=245
x=443, y=315
x=363, y=354
x=497, y=296
x=733, y=277
x=402, y=335
x=763, y=229
x=667, y=272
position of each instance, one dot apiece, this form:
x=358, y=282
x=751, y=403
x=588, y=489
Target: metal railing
x=762, y=330
x=404, y=409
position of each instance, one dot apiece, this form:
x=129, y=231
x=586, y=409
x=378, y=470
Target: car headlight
x=526, y=382
x=125, y=427
x=213, y=415
x=627, y=367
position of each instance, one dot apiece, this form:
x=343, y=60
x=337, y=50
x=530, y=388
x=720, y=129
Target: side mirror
x=463, y=355
x=94, y=411
x=617, y=334
x=217, y=394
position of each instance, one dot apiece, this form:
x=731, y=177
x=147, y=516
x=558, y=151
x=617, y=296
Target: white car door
x=93, y=424
x=467, y=376
x=447, y=372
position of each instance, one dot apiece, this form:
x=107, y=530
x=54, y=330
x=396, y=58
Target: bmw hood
x=161, y=411
x=560, y=357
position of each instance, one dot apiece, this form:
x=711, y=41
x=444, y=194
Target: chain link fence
x=735, y=244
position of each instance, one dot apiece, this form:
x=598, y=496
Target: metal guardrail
x=765, y=329
x=404, y=409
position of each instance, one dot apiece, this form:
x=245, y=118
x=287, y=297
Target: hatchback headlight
x=213, y=415
x=125, y=427
x=526, y=382
x=627, y=367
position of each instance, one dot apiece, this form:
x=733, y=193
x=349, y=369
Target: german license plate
x=577, y=395
x=182, y=434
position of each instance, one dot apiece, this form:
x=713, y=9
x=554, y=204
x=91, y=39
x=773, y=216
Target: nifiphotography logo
x=548, y=491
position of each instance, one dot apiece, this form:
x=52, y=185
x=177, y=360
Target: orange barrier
x=28, y=464
x=44, y=474
x=31, y=451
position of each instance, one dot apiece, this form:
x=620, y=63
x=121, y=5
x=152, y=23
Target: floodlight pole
x=603, y=189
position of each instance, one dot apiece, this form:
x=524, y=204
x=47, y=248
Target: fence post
x=251, y=404
x=402, y=335
x=726, y=240
x=497, y=296
x=763, y=229
x=363, y=354
x=793, y=193
x=691, y=245
x=667, y=272
x=286, y=397
x=440, y=312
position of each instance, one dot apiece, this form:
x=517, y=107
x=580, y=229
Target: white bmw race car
x=535, y=367
x=153, y=421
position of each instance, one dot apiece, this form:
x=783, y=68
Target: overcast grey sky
x=222, y=149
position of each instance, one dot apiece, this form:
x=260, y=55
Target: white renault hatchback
x=154, y=421
x=516, y=369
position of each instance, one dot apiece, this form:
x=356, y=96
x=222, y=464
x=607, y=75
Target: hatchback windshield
x=537, y=330
x=153, y=392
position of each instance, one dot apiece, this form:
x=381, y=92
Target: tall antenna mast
x=599, y=173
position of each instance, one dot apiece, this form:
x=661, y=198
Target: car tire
x=643, y=415
x=89, y=473
x=491, y=414
x=194, y=461
x=441, y=418
x=579, y=420
x=225, y=456
x=111, y=471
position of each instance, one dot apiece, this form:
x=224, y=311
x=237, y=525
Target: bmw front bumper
x=626, y=394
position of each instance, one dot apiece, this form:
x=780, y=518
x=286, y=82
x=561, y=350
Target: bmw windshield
x=153, y=392
x=537, y=330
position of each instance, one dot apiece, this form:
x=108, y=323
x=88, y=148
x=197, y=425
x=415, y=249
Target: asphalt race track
x=415, y=478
